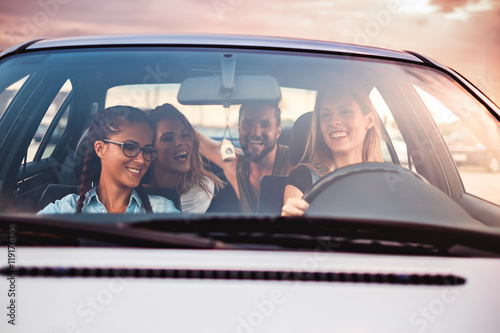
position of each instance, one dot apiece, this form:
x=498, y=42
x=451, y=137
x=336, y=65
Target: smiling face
x=258, y=130
x=174, y=146
x=116, y=168
x=344, y=126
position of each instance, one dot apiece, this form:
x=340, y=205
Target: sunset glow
x=462, y=34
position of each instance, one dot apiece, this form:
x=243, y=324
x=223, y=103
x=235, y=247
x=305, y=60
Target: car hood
x=63, y=290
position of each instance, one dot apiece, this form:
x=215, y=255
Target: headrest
x=284, y=138
x=80, y=152
x=298, y=138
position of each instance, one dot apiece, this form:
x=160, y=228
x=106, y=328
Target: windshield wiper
x=351, y=235
x=256, y=232
x=55, y=230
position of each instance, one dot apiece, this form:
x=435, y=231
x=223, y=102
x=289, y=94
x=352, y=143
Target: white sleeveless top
x=197, y=201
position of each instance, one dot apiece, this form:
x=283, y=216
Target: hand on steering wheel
x=294, y=207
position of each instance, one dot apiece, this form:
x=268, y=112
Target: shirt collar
x=92, y=195
x=135, y=196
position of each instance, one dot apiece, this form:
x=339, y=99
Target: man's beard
x=252, y=157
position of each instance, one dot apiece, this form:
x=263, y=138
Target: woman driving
x=345, y=130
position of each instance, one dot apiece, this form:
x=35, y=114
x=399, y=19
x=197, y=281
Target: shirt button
x=104, y=211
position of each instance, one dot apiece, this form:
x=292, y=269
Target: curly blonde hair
x=197, y=174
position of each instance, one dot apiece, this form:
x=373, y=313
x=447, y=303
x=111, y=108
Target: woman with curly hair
x=120, y=150
x=179, y=164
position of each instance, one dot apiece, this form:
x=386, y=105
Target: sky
x=461, y=34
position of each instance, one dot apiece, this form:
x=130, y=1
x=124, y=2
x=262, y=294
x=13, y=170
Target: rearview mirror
x=247, y=88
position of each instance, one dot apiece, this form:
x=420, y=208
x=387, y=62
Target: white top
x=196, y=200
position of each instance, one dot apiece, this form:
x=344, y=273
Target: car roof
x=243, y=41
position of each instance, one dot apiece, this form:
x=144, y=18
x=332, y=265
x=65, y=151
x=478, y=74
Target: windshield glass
x=244, y=107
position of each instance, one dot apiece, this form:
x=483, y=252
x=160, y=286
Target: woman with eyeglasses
x=119, y=153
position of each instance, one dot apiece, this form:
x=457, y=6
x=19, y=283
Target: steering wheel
x=382, y=191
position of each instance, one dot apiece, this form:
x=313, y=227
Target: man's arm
x=210, y=148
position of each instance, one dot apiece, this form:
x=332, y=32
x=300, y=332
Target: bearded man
x=259, y=128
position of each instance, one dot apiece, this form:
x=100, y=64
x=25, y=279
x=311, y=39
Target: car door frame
x=437, y=164
x=23, y=183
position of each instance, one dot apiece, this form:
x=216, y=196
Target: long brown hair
x=106, y=123
x=197, y=174
x=317, y=154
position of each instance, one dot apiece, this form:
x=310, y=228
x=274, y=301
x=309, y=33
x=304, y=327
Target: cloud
x=463, y=34
x=449, y=6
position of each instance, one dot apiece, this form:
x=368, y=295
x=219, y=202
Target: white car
x=409, y=245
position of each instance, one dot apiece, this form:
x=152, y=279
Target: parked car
x=42, y=129
x=400, y=246
x=466, y=149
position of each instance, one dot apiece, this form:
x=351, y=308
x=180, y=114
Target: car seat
x=298, y=137
x=272, y=187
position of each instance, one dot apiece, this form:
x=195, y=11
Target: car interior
x=225, y=200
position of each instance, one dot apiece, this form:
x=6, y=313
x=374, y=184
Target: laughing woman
x=179, y=164
x=345, y=130
x=119, y=153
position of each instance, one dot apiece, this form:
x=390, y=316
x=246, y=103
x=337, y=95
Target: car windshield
x=48, y=99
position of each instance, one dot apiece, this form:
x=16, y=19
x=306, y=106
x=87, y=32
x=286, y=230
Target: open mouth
x=181, y=156
x=256, y=143
x=339, y=134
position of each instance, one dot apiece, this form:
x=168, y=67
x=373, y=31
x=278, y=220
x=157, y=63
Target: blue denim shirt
x=91, y=204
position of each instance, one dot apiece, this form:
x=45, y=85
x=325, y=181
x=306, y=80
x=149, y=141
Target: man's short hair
x=277, y=111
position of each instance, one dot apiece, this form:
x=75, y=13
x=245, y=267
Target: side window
x=52, y=126
x=389, y=123
x=473, y=140
x=9, y=93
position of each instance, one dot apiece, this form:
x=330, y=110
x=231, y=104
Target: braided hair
x=107, y=123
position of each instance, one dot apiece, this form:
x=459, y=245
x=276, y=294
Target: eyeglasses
x=131, y=150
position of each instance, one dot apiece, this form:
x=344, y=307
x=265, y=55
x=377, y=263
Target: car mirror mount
x=228, y=66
